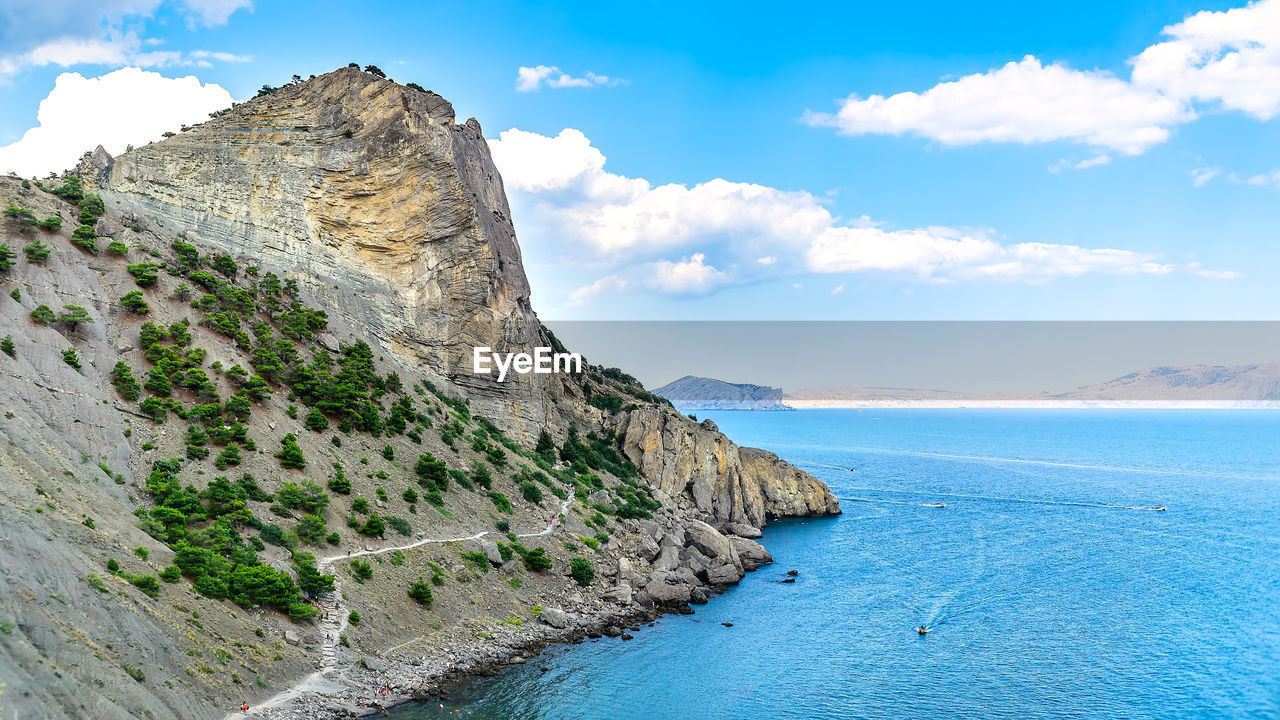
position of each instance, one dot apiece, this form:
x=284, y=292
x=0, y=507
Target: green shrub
x=171, y=574
x=290, y=454
x=74, y=315
x=477, y=559
x=388, y=453
x=400, y=525
x=312, y=528
x=531, y=492
x=316, y=420
x=53, y=223
x=536, y=559
x=69, y=357
x=361, y=570
x=6, y=257
x=37, y=252
x=84, y=237
x=581, y=571
x=145, y=274
x=16, y=294
x=360, y=505
x=44, y=315
x=126, y=385
x=225, y=265
x=6, y=345
x=420, y=591
x=410, y=496
x=115, y=247
x=374, y=526
x=354, y=617
x=500, y=501
x=134, y=302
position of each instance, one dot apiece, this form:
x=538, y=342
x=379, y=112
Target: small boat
x=1159, y=508
x=853, y=469
x=924, y=630
x=934, y=505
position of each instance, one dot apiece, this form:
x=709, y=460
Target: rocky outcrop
x=357, y=187
x=683, y=458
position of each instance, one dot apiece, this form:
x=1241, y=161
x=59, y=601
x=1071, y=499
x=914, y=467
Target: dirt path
x=335, y=617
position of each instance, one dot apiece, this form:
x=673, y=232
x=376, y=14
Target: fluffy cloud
x=690, y=276
x=103, y=32
x=611, y=283
x=940, y=252
x=1230, y=58
x=727, y=233
x=1021, y=102
x=127, y=106
x=529, y=79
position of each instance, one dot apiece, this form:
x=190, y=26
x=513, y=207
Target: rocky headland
x=244, y=455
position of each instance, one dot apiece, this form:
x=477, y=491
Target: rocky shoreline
x=613, y=607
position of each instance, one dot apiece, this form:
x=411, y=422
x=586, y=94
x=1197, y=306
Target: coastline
x=461, y=655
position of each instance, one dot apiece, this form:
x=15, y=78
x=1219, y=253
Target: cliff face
x=730, y=484
x=359, y=188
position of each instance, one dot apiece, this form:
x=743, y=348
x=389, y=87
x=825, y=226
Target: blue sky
x=707, y=170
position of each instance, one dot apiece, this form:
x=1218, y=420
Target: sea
x=1051, y=587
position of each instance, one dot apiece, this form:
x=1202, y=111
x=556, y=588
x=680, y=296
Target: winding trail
x=335, y=617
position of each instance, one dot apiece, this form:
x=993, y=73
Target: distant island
x=1256, y=385
x=700, y=393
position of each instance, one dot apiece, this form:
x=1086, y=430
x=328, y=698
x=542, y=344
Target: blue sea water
x=1050, y=592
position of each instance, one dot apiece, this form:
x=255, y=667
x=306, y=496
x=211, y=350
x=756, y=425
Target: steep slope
x=699, y=393
x=274, y=386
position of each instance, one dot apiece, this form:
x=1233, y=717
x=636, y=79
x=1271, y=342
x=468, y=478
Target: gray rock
x=724, y=575
x=374, y=664
x=706, y=539
x=291, y=637
x=648, y=548
x=668, y=559
x=743, y=530
x=665, y=594
x=555, y=617
x=490, y=550
x=622, y=594
x=750, y=550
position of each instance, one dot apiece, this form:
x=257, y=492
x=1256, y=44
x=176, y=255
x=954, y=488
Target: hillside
x=699, y=393
x=237, y=375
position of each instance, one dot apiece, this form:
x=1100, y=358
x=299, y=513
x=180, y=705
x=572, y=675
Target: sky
x=846, y=161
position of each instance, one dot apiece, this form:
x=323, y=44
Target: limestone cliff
x=730, y=484
x=358, y=187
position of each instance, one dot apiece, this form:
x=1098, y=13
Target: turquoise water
x=1049, y=595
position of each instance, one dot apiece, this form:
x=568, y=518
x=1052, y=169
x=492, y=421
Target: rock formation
x=699, y=393
x=387, y=224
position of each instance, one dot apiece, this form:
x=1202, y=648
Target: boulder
x=599, y=497
x=648, y=548
x=750, y=550
x=668, y=559
x=724, y=575
x=743, y=530
x=666, y=594
x=373, y=664
x=291, y=637
x=627, y=574
x=490, y=550
x=622, y=594
x=555, y=617
x=706, y=539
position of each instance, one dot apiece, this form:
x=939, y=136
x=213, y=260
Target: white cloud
x=838, y=289
x=611, y=283
x=1203, y=176
x=1204, y=272
x=1022, y=102
x=1231, y=58
x=128, y=106
x=731, y=233
x=107, y=32
x=690, y=276
x=529, y=79
x=947, y=253
x=1228, y=59
x=225, y=57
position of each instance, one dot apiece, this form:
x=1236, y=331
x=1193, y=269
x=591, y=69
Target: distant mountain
x=699, y=393
x=1162, y=386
